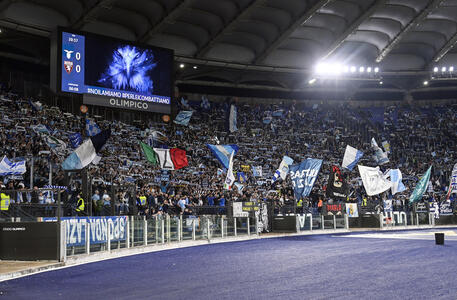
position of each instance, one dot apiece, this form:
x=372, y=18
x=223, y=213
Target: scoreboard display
x=115, y=73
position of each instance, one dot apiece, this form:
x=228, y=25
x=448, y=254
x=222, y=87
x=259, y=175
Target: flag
x=222, y=153
x=257, y=171
x=373, y=180
x=75, y=139
x=379, y=157
x=421, y=186
x=386, y=146
x=9, y=168
x=219, y=172
x=452, y=182
x=205, y=103
x=57, y=146
x=92, y=128
x=96, y=160
x=304, y=175
x=36, y=106
x=229, y=179
x=183, y=117
x=283, y=169
x=351, y=157
x=159, y=136
x=239, y=186
x=336, y=186
x=232, y=118
x=241, y=177
x=395, y=178
x=86, y=152
x=171, y=159
x=185, y=103
x=149, y=153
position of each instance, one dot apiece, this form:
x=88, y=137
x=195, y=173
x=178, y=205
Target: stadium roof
x=264, y=42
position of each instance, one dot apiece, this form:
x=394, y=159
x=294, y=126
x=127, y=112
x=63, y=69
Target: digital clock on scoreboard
x=115, y=73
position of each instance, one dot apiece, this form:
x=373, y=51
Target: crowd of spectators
x=418, y=137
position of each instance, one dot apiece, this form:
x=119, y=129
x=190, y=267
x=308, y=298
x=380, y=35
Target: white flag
x=351, y=157
x=229, y=179
x=373, y=180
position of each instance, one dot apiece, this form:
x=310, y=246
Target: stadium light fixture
x=353, y=69
x=369, y=70
x=425, y=82
x=182, y=66
x=435, y=70
x=195, y=67
x=362, y=69
x=312, y=81
x=443, y=69
x=381, y=83
x=346, y=69
x=376, y=70
x=451, y=69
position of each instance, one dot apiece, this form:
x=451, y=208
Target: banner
x=9, y=168
x=351, y=210
x=336, y=186
x=388, y=205
x=98, y=232
x=446, y=208
x=304, y=175
x=386, y=146
x=233, y=119
x=373, y=180
x=229, y=179
x=397, y=184
x=421, y=186
x=222, y=153
x=257, y=171
x=334, y=209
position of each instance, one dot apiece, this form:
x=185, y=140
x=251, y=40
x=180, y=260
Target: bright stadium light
x=362, y=69
x=181, y=66
x=321, y=68
x=369, y=70
x=451, y=69
x=195, y=67
x=435, y=70
x=443, y=69
x=376, y=70
x=346, y=69
x=312, y=81
x=381, y=83
x=353, y=69
x=425, y=82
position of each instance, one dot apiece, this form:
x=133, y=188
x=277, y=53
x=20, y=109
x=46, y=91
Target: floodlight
x=376, y=70
x=353, y=69
x=443, y=69
x=435, y=69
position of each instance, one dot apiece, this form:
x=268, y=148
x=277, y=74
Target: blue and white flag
x=239, y=186
x=379, y=157
x=185, y=103
x=351, y=157
x=205, y=103
x=9, y=168
x=229, y=179
x=232, y=118
x=267, y=120
x=397, y=184
x=86, y=152
x=183, y=117
x=92, y=128
x=75, y=139
x=257, y=171
x=36, y=106
x=223, y=152
x=303, y=176
x=373, y=180
x=283, y=169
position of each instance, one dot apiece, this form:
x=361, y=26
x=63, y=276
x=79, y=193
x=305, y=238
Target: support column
x=193, y=229
x=322, y=222
x=87, y=237
x=334, y=222
x=234, y=227
x=249, y=226
x=127, y=231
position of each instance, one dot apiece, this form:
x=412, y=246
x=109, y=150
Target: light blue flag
x=9, y=168
x=304, y=175
x=283, y=169
x=92, y=128
x=223, y=152
x=397, y=184
x=351, y=157
x=232, y=118
x=183, y=117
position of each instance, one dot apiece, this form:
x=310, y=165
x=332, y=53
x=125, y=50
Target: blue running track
x=301, y=267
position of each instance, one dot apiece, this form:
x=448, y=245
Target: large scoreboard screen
x=115, y=73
